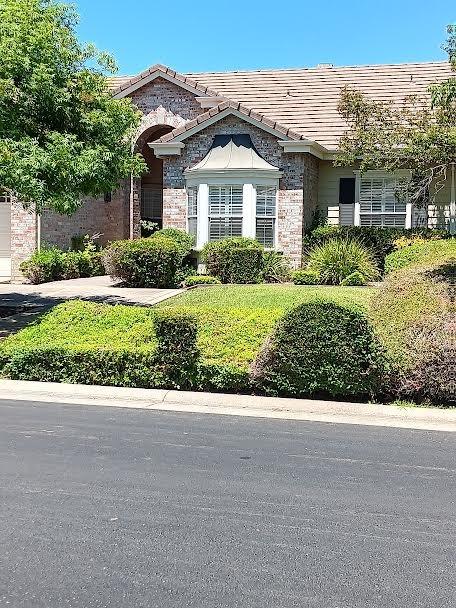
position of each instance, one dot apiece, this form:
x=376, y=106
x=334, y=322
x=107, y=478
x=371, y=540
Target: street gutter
x=232, y=405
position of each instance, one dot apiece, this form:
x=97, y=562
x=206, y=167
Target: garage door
x=5, y=237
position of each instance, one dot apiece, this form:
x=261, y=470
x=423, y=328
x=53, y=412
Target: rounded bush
x=201, y=279
x=234, y=260
x=336, y=259
x=183, y=240
x=321, y=349
x=149, y=262
x=305, y=277
x=355, y=279
x=43, y=266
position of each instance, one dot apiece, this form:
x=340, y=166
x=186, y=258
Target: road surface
x=105, y=507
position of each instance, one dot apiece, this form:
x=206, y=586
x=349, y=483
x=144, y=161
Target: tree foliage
x=62, y=135
x=419, y=135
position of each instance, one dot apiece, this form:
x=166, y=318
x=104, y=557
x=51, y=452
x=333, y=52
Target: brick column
x=24, y=236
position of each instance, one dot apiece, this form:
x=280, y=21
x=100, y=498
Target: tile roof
x=305, y=100
x=226, y=105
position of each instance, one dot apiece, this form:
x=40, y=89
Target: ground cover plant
x=103, y=344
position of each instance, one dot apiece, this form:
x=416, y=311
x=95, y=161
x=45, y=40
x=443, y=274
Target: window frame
x=265, y=215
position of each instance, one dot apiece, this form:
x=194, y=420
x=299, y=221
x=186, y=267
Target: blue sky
x=248, y=34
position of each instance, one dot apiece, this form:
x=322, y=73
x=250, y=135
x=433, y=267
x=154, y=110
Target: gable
x=174, y=100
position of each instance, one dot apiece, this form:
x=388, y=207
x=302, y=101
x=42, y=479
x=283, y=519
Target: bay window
x=225, y=211
x=192, y=210
x=266, y=215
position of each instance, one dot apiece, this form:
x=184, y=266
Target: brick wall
x=23, y=236
x=290, y=198
x=310, y=188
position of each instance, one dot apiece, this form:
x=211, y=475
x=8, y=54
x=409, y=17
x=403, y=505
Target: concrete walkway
x=35, y=299
x=232, y=405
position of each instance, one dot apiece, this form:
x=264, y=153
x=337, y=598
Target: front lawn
x=233, y=321
x=281, y=297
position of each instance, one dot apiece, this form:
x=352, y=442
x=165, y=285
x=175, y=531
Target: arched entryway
x=151, y=183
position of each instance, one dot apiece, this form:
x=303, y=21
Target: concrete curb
x=234, y=405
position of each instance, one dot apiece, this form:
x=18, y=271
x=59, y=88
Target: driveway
x=34, y=299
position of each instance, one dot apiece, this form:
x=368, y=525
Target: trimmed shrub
x=321, y=349
x=305, y=277
x=336, y=259
x=423, y=252
x=43, y=266
x=201, y=279
x=149, y=262
x=177, y=351
x=234, y=260
x=276, y=268
x=380, y=241
x=355, y=279
x=183, y=240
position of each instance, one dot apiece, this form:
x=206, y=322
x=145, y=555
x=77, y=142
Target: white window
x=378, y=202
x=266, y=215
x=192, y=209
x=225, y=211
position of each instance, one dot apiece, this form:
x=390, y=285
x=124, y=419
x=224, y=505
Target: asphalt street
x=104, y=507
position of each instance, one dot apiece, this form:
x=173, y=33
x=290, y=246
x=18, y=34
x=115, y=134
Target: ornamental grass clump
x=336, y=259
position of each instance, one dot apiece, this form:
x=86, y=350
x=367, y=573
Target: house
x=241, y=153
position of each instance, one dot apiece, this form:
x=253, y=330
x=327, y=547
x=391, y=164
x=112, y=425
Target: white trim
x=305, y=145
x=153, y=76
x=408, y=215
x=230, y=178
x=202, y=222
x=249, y=211
x=210, y=102
x=166, y=149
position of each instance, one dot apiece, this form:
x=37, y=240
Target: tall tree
x=420, y=135
x=62, y=135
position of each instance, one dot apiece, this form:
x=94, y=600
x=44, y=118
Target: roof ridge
x=321, y=68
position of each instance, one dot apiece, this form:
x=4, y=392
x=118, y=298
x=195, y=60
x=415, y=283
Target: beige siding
x=328, y=190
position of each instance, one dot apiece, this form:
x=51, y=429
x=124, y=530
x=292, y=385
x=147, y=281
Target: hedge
x=53, y=264
x=426, y=252
x=201, y=279
x=379, y=240
x=321, y=349
x=234, y=260
x=149, y=262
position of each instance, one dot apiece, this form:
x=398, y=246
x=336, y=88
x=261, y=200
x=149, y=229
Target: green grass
x=282, y=297
x=233, y=321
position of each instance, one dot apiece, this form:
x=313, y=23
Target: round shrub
x=43, y=266
x=234, y=260
x=149, y=262
x=305, y=277
x=201, y=279
x=336, y=259
x=355, y=279
x=321, y=349
x=183, y=240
